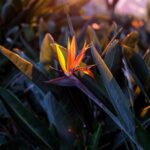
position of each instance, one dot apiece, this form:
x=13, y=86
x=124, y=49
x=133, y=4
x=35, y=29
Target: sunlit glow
x=137, y=23
x=95, y=26
x=131, y=7
x=122, y=7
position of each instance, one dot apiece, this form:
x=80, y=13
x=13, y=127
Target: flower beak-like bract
x=72, y=64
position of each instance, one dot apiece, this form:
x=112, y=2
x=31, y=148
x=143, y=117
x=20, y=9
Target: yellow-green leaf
x=145, y=111
x=61, y=58
x=46, y=52
x=23, y=65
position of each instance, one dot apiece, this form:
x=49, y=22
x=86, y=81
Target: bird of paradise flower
x=72, y=64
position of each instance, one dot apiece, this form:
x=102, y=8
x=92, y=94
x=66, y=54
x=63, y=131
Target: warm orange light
x=96, y=26
x=137, y=24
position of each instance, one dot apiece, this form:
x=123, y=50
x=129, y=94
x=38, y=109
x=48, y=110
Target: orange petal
x=86, y=70
x=61, y=58
x=80, y=56
x=89, y=72
x=84, y=67
x=72, y=51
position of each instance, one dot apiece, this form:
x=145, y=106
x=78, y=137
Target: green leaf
x=15, y=144
x=64, y=120
x=136, y=63
x=22, y=64
x=139, y=67
x=46, y=52
x=27, y=68
x=117, y=97
x=115, y=93
x=111, y=41
x=94, y=38
x=142, y=136
x=26, y=121
x=116, y=119
x=3, y=112
x=2, y=139
x=113, y=57
x=131, y=39
x=96, y=138
x=27, y=48
x=118, y=100
x=71, y=29
x=28, y=33
x=34, y=74
x=147, y=57
x=97, y=89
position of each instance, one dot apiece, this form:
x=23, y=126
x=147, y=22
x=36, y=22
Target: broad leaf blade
x=142, y=136
x=26, y=68
x=96, y=138
x=115, y=92
x=29, y=123
x=137, y=64
x=116, y=95
x=116, y=119
x=94, y=38
x=58, y=115
x=131, y=39
x=113, y=57
x=46, y=53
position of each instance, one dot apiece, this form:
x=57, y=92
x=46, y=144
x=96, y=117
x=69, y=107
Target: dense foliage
x=70, y=81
